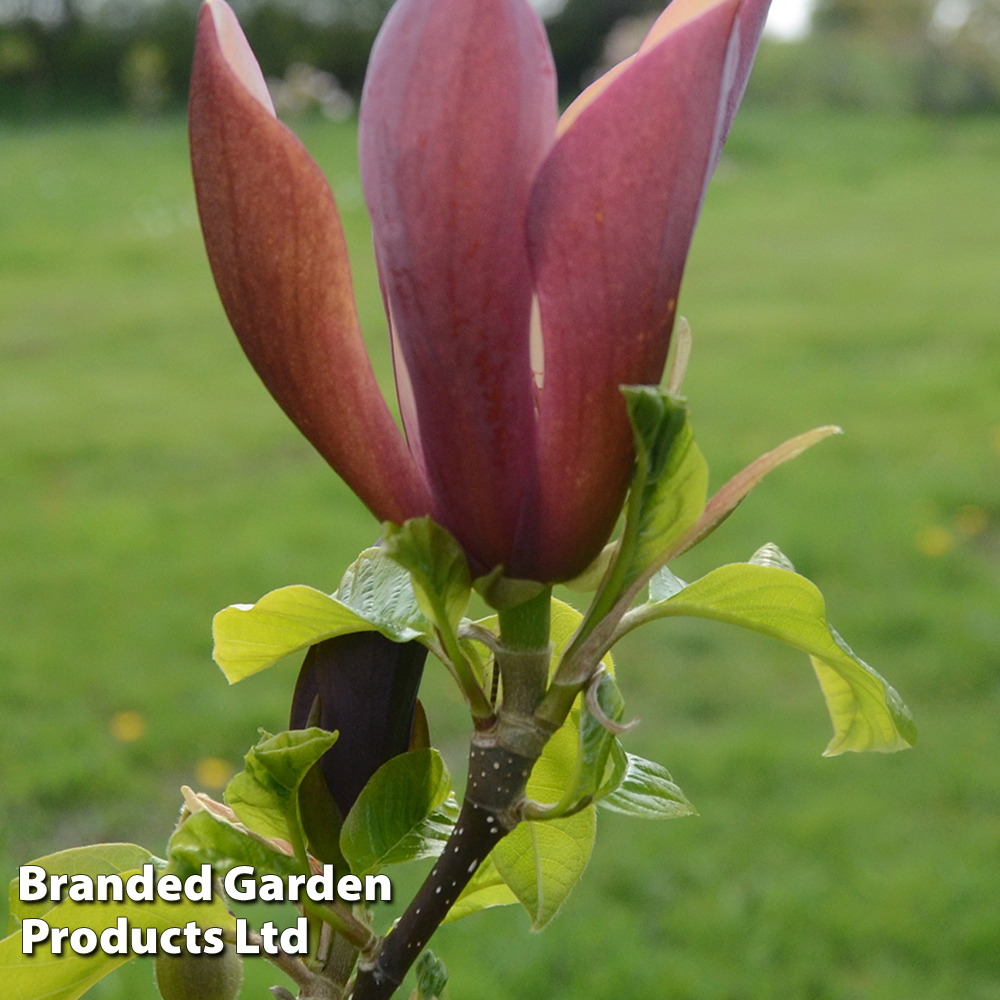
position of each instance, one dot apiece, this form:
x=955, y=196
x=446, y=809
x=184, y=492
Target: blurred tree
x=970, y=30
x=890, y=21
x=950, y=49
x=69, y=55
x=577, y=35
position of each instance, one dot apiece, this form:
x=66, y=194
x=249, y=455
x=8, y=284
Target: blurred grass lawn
x=846, y=270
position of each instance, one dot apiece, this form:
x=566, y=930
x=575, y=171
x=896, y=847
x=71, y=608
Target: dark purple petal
x=610, y=224
x=367, y=689
x=458, y=112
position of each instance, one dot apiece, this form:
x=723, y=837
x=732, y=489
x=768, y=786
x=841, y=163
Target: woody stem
x=500, y=761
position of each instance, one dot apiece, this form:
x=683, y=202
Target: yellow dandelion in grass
x=211, y=772
x=127, y=727
x=996, y=439
x=971, y=520
x=935, y=541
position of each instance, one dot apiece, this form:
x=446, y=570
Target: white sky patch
x=789, y=20
x=548, y=8
x=949, y=19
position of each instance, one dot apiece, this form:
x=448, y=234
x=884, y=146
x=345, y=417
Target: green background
x=846, y=270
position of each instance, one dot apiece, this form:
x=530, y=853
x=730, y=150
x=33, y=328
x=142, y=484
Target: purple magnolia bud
x=367, y=690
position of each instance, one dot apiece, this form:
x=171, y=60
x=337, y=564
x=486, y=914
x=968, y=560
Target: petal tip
x=236, y=51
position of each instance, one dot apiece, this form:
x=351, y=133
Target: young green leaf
x=541, y=861
x=596, y=741
x=614, y=772
x=44, y=976
x=321, y=818
x=671, y=479
x=375, y=595
x=432, y=977
x=485, y=889
x=680, y=344
x=403, y=813
x=666, y=497
x=441, y=580
x=205, y=839
x=437, y=567
x=769, y=555
x=591, y=774
x=380, y=591
x=97, y=859
x=64, y=978
x=856, y=707
x=867, y=714
x=648, y=792
x=264, y=794
x=735, y=491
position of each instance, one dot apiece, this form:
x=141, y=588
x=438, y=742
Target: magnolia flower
x=530, y=264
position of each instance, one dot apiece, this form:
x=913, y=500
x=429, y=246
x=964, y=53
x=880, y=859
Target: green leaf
x=377, y=588
x=97, y=859
x=441, y=580
x=671, y=479
x=770, y=555
x=321, y=819
x=205, y=839
x=44, y=976
x=595, y=741
x=402, y=814
x=593, y=770
x=680, y=343
x=735, y=491
x=437, y=567
x=614, y=773
x=485, y=889
x=857, y=703
x=432, y=977
x=264, y=794
x=563, y=622
x=647, y=791
x=375, y=595
x=666, y=498
x=542, y=861
x=867, y=714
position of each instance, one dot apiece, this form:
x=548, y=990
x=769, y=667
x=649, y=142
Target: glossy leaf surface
x=264, y=794
x=437, y=567
x=485, y=889
x=541, y=861
x=375, y=594
x=403, y=813
x=44, y=976
x=97, y=859
x=866, y=712
x=648, y=792
x=204, y=839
